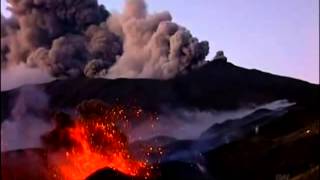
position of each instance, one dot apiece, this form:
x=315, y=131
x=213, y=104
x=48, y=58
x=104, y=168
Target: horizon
x=291, y=36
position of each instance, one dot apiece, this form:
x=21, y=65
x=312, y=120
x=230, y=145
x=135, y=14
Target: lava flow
x=92, y=142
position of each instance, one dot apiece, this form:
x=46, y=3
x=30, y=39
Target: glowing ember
x=87, y=157
x=96, y=143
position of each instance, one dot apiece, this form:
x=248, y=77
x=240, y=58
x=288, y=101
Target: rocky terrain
x=217, y=85
x=266, y=144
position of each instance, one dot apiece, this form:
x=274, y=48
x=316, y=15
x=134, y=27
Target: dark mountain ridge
x=217, y=85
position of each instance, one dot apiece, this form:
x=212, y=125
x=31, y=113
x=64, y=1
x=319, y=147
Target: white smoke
x=26, y=124
x=182, y=124
x=19, y=75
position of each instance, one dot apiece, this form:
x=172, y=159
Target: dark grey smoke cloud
x=76, y=37
x=96, y=68
x=67, y=56
x=50, y=34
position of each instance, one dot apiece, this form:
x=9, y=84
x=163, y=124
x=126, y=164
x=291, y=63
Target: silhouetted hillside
x=216, y=85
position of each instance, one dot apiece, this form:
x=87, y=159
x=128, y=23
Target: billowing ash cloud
x=76, y=37
x=154, y=46
x=50, y=34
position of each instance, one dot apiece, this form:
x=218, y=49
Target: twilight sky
x=277, y=36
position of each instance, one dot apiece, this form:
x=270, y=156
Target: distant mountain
x=217, y=85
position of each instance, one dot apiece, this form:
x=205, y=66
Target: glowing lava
x=85, y=158
x=96, y=143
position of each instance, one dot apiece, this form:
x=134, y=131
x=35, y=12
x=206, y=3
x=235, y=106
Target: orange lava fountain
x=85, y=159
x=97, y=143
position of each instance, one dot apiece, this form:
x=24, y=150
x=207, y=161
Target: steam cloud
x=27, y=121
x=30, y=120
x=80, y=37
x=16, y=76
x=185, y=124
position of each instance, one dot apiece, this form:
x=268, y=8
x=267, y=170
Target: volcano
x=264, y=144
x=216, y=85
x=93, y=94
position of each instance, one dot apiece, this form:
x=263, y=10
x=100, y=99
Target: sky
x=276, y=36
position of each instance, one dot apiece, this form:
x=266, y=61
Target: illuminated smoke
x=154, y=46
x=80, y=37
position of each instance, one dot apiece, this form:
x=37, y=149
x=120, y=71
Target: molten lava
x=88, y=156
x=92, y=142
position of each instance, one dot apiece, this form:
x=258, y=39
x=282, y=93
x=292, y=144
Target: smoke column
x=80, y=37
x=27, y=122
x=153, y=46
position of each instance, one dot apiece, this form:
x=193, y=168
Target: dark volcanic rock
x=24, y=165
x=109, y=174
x=286, y=146
x=165, y=171
x=216, y=85
x=247, y=122
x=181, y=170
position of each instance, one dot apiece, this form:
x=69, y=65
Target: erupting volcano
x=93, y=141
x=87, y=158
x=90, y=94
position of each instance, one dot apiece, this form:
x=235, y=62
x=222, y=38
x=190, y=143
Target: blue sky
x=278, y=36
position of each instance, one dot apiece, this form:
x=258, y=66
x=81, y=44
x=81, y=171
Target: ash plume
x=50, y=33
x=154, y=46
x=80, y=37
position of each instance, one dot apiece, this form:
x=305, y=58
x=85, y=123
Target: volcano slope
x=285, y=146
x=216, y=85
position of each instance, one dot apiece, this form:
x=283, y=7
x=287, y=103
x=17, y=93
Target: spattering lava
x=92, y=142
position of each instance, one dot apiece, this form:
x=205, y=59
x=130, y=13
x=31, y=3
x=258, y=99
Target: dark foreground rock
x=286, y=146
